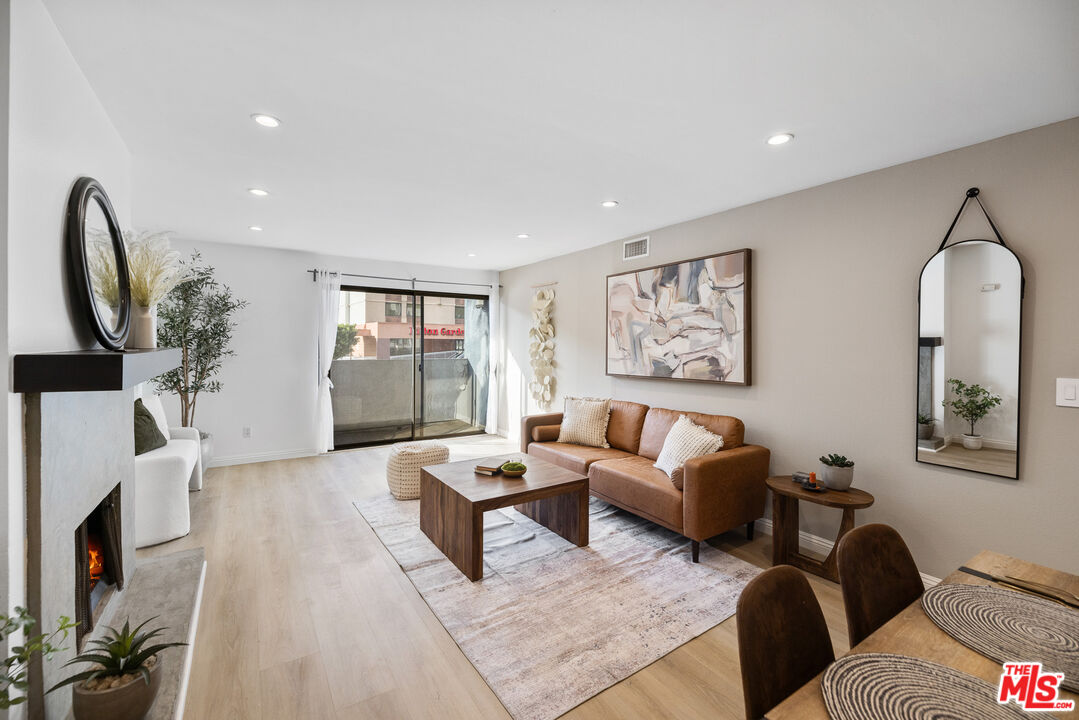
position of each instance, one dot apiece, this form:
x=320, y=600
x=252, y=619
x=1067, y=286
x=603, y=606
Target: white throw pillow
x=152, y=402
x=686, y=440
x=584, y=422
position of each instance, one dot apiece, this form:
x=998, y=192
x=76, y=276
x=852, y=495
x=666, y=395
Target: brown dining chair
x=877, y=576
x=783, y=639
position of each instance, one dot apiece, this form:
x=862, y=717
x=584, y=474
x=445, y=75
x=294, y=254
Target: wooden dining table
x=913, y=634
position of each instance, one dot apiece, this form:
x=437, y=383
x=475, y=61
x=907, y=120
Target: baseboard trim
x=823, y=546
x=986, y=443
x=226, y=460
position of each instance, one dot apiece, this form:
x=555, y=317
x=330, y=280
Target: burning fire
x=97, y=560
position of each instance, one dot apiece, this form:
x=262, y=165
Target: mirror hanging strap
x=971, y=193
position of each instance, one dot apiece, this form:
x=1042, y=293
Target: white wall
x=270, y=385
x=58, y=132
x=834, y=333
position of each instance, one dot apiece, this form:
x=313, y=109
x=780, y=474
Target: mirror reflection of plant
x=924, y=419
x=14, y=678
x=102, y=263
x=971, y=402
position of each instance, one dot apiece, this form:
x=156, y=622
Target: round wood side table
x=785, y=496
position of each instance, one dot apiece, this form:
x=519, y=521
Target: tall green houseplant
x=971, y=402
x=196, y=316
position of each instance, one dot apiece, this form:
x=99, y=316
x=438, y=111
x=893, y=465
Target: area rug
x=551, y=624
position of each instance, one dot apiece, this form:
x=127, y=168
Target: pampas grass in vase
x=155, y=269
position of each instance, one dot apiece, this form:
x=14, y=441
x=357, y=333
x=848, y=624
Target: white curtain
x=494, y=360
x=329, y=304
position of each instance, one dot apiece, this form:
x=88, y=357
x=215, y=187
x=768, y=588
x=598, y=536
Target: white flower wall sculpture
x=541, y=348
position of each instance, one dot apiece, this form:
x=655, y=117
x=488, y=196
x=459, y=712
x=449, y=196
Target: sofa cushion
x=573, y=457
x=686, y=440
x=147, y=435
x=584, y=422
x=176, y=457
x=658, y=422
x=153, y=403
x=545, y=433
x=634, y=484
x=624, y=427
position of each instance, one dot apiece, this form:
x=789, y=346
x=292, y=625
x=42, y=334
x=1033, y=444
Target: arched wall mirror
x=970, y=304
x=99, y=262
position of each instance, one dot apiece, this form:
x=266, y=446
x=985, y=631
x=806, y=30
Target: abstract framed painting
x=688, y=320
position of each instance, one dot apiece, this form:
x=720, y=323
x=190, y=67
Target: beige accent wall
x=835, y=280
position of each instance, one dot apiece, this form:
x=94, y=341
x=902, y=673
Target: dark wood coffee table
x=453, y=498
x=785, y=496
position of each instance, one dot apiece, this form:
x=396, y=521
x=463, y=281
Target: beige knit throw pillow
x=584, y=422
x=685, y=440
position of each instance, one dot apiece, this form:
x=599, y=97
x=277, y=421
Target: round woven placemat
x=894, y=687
x=1009, y=626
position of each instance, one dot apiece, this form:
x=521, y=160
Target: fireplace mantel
x=91, y=370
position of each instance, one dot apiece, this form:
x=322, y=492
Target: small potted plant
x=836, y=471
x=972, y=403
x=125, y=677
x=925, y=426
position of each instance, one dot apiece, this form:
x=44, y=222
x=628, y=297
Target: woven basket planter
x=403, y=467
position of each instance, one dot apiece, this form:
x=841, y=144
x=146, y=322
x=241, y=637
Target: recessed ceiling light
x=780, y=139
x=266, y=120
x=255, y=228
x=609, y=203
x=258, y=192
x=472, y=254
x=522, y=236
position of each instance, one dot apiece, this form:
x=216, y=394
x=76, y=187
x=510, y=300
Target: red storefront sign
x=443, y=331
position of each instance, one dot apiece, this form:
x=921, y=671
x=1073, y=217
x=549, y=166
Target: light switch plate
x=1068, y=392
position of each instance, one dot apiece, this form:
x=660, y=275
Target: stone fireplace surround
x=79, y=448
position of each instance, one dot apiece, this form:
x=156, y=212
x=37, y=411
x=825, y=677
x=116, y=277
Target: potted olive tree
x=124, y=677
x=972, y=403
x=925, y=426
x=836, y=471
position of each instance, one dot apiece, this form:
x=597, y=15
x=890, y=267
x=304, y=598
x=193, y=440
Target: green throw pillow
x=147, y=434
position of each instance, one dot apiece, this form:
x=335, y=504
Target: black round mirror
x=99, y=262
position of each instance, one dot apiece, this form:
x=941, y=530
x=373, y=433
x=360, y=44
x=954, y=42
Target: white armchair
x=163, y=478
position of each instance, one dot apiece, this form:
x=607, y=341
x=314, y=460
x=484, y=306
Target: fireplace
x=99, y=566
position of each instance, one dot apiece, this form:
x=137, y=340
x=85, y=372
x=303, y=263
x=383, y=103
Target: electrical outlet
x=246, y=432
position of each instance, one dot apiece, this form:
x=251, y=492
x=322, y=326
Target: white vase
x=972, y=442
x=836, y=478
x=143, y=335
x=207, y=441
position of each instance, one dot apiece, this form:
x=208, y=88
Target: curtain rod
x=314, y=277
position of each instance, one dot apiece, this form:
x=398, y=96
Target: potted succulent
x=125, y=677
x=836, y=471
x=925, y=426
x=972, y=403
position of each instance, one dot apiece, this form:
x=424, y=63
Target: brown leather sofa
x=719, y=491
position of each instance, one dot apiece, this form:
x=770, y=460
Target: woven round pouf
x=1005, y=625
x=403, y=467
x=896, y=687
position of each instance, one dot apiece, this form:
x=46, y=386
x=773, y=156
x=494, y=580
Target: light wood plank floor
x=306, y=615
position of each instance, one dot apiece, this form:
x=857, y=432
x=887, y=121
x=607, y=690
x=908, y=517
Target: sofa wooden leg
x=695, y=550
x=749, y=529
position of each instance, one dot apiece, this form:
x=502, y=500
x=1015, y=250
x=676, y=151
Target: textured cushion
x=684, y=441
x=634, y=484
x=584, y=422
x=624, y=427
x=573, y=457
x=659, y=421
x=147, y=435
x=153, y=404
x=545, y=433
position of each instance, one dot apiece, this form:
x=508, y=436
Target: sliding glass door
x=409, y=365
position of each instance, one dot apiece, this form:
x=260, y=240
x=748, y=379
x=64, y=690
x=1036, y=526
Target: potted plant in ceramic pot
x=925, y=426
x=836, y=471
x=972, y=403
x=125, y=677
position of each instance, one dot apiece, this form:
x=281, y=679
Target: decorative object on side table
x=837, y=472
x=155, y=269
x=541, y=348
x=971, y=403
x=925, y=426
x=684, y=321
x=14, y=677
x=124, y=681
x=785, y=497
x=196, y=316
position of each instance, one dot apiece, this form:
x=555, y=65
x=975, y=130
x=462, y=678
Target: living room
x=659, y=260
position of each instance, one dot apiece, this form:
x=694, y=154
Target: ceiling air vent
x=632, y=249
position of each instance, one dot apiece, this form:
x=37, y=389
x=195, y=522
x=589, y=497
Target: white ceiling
x=424, y=131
